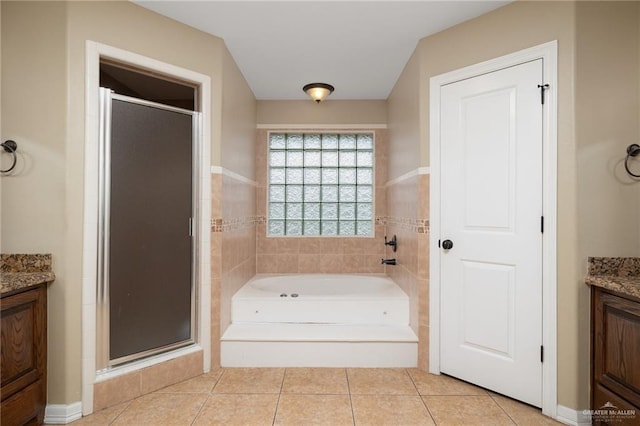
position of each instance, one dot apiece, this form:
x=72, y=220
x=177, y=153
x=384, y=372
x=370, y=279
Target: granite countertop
x=618, y=274
x=21, y=271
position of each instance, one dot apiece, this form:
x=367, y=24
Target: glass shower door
x=146, y=294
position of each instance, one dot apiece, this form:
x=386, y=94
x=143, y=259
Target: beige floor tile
x=214, y=374
x=199, y=384
x=250, y=380
x=315, y=381
x=380, y=381
x=330, y=410
x=103, y=417
x=431, y=384
x=523, y=414
x=167, y=409
x=382, y=410
x=231, y=410
x=466, y=410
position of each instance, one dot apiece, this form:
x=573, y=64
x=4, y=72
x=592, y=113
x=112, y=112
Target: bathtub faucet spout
x=388, y=261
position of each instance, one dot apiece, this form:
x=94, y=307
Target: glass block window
x=320, y=184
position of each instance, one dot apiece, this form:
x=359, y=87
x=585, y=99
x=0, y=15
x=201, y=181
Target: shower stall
x=146, y=291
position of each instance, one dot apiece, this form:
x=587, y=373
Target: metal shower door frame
x=103, y=361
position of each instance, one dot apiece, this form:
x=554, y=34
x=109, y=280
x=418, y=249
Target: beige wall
x=404, y=108
x=333, y=112
x=607, y=117
x=34, y=114
x=43, y=84
x=239, y=118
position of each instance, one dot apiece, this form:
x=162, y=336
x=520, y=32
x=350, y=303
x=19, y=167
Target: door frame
x=94, y=52
x=549, y=53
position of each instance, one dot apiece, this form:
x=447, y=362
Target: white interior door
x=491, y=208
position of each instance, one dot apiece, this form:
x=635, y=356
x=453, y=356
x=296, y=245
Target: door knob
x=447, y=244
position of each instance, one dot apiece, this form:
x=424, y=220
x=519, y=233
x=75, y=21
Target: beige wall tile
x=267, y=263
x=287, y=263
x=309, y=245
x=288, y=245
x=423, y=347
x=116, y=391
x=216, y=267
x=308, y=264
x=203, y=383
x=170, y=372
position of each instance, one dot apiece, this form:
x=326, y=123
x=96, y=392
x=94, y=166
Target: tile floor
x=319, y=396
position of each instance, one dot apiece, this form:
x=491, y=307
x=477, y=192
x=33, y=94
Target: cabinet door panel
x=24, y=356
x=617, y=345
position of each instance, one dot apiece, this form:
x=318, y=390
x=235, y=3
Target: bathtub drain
x=294, y=294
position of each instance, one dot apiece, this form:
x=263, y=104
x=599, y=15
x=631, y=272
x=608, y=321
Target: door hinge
x=541, y=353
x=191, y=227
x=542, y=224
x=542, y=88
x=438, y=243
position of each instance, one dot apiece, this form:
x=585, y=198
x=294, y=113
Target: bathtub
x=321, y=299
x=319, y=320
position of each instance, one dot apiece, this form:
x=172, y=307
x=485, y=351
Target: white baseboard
x=569, y=416
x=60, y=414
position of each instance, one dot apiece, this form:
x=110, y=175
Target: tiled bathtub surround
x=321, y=254
x=407, y=218
x=233, y=247
x=619, y=274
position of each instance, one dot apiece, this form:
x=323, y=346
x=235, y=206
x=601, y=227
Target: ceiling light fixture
x=318, y=91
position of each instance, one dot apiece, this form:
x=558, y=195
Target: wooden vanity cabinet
x=615, y=350
x=24, y=356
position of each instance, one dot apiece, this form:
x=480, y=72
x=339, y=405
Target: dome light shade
x=318, y=91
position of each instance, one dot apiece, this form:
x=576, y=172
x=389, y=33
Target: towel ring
x=10, y=147
x=632, y=151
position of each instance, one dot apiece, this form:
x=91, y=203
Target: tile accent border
x=228, y=225
x=419, y=226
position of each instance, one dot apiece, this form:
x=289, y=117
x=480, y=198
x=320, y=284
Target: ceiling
x=360, y=47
